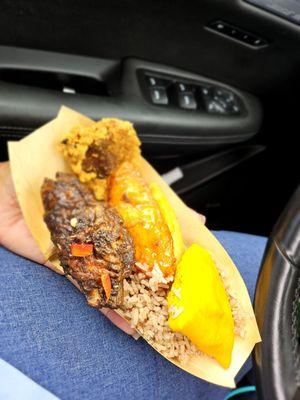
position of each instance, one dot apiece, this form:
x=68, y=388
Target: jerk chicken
x=92, y=243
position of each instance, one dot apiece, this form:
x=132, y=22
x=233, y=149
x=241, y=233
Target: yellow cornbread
x=199, y=306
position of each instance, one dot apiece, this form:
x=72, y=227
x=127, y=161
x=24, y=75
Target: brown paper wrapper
x=36, y=157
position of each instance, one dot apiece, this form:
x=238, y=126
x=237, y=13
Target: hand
x=15, y=236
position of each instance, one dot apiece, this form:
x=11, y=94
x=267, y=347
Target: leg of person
x=246, y=251
x=51, y=335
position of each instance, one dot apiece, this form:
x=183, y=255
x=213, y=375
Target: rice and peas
x=146, y=308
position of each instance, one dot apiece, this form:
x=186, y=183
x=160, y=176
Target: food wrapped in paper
x=36, y=157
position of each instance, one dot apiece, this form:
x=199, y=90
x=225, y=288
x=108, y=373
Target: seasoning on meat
x=93, y=245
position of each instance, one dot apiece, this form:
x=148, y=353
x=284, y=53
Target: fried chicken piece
x=95, y=151
x=92, y=243
x=132, y=197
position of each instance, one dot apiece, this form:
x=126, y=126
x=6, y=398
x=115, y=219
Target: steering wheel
x=277, y=308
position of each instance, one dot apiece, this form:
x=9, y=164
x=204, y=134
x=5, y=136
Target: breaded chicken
x=132, y=197
x=95, y=151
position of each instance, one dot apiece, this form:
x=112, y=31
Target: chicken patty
x=95, y=151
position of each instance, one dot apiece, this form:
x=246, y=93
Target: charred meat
x=93, y=245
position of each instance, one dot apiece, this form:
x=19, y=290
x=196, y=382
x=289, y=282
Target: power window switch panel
x=159, y=96
x=187, y=101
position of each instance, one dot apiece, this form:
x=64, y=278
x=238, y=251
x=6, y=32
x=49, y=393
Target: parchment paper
x=36, y=157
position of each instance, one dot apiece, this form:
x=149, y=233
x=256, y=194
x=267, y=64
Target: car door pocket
x=200, y=172
x=52, y=80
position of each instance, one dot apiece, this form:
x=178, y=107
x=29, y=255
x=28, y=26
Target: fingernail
x=135, y=335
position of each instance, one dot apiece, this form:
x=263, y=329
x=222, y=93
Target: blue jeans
x=48, y=332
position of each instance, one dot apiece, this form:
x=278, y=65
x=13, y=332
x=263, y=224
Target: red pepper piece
x=106, y=283
x=81, y=249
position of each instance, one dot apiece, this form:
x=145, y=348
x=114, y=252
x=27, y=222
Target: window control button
x=224, y=94
x=205, y=92
x=183, y=87
x=235, y=109
x=214, y=107
x=159, y=96
x=227, y=100
x=187, y=100
x=152, y=81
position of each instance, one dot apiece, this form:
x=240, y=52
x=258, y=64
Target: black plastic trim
x=164, y=128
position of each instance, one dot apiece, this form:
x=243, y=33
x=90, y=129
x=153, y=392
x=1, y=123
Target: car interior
x=211, y=87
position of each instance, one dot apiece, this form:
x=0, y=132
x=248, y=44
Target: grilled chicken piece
x=133, y=199
x=92, y=243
